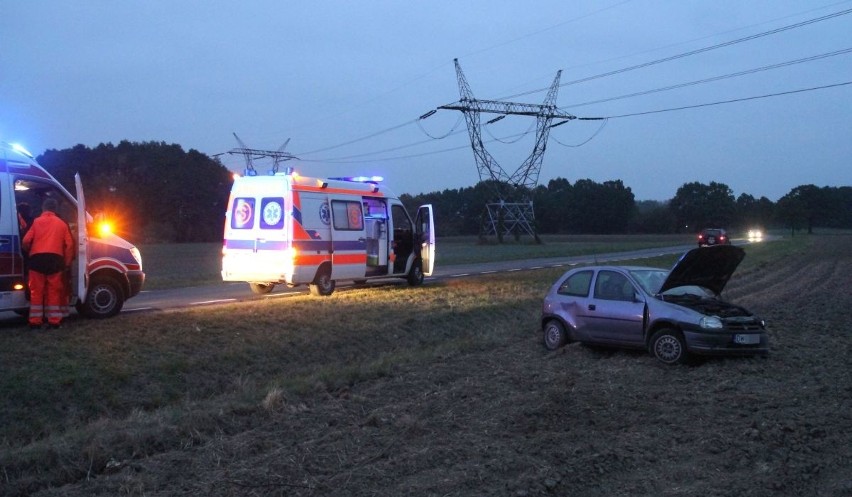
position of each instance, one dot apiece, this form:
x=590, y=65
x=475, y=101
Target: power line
x=717, y=78
x=692, y=52
x=709, y=104
x=344, y=160
x=367, y=137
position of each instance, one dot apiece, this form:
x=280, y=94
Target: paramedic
x=51, y=250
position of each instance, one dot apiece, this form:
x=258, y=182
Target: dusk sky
x=345, y=81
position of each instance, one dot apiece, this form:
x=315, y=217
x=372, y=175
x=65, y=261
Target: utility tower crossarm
x=508, y=108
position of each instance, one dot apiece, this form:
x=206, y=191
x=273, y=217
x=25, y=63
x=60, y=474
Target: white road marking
x=217, y=301
x=136, y=309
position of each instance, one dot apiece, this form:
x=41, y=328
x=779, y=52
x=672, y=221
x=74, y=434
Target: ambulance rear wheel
x=415, y=276
x=323, y=285
x=104, y=299
x=261, y=288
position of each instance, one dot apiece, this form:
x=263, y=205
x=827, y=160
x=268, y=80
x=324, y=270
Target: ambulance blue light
x=362, y=179
x=250, y=172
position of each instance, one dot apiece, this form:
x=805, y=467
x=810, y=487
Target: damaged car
x=671, y=313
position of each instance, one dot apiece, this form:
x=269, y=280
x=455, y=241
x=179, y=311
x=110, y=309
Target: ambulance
x=294, y=230
x=107, y=269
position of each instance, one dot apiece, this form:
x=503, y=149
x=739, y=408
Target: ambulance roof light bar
x=361, y=179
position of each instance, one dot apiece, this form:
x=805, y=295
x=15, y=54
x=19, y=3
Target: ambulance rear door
x=82, y=274
x=348, y=237
x=425, y=226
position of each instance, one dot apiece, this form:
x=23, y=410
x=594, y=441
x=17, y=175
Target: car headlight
x=710, y=323
x=136, y=255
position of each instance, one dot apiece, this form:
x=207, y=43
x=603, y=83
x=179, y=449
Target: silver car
x=671, y=313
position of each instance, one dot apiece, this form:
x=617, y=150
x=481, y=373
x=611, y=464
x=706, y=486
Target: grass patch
x=195, y=264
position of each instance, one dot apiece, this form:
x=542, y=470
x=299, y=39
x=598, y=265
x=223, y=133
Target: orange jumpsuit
x=51, y=250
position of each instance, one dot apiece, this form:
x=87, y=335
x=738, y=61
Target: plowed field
x=516, y=420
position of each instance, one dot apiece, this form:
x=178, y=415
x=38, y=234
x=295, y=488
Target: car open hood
x=710, y=267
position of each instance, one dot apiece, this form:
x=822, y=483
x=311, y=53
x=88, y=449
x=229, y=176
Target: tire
x=104, y=299
x=415, y=275
x=261, y=288
x=669, y=347
x=323, y=285
x=555, y=335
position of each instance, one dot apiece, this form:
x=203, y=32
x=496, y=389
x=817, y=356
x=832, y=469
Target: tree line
x=153, y=192
x=159, y=193
x=589, y=207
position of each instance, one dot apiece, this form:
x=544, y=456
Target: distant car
x=671, y=313
x=713, y=236
x=755, y=235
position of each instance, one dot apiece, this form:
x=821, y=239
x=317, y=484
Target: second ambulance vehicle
x=294, y=230
x=107, y=269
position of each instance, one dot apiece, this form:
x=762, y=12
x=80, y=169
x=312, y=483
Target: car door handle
x=592, y=307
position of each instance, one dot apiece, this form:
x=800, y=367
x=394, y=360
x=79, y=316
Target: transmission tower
x=250, y=154
x=512, y=213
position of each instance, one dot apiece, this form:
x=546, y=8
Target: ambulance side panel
x=312, y=235
x=349, y=238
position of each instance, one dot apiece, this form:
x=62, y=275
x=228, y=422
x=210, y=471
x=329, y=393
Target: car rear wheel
x=669, y=347
x=323, y=285
x=555, y=335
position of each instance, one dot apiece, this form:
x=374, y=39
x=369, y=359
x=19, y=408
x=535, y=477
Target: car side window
x=577, y=284
x=613, y=286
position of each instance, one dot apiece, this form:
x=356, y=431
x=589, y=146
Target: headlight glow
x=710, y=323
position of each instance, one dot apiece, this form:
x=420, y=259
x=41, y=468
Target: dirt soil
x=520, y=421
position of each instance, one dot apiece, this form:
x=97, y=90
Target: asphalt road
x=236, y=292
x=176, y=298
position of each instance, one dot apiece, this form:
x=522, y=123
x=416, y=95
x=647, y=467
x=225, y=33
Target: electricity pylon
x=513, y=210
x=252, y=153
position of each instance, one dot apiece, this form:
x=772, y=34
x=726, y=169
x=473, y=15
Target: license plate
x=750, y=339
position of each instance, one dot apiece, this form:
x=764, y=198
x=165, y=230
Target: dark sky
x=346, y=82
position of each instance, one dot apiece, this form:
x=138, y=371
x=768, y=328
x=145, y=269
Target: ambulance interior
x=31, y=193
x=380, y=250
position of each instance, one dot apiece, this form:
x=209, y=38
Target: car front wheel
x=555, y=335
x=669, y=347
x=104, y=299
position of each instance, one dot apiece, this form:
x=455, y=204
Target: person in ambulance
x=51, y=250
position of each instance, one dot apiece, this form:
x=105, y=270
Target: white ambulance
x=107, y=269
x=289, y=229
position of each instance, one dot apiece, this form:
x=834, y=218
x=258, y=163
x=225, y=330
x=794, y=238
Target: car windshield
x=651, y=280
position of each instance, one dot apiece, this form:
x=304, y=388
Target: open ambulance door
x=426, y=232
x=82, y=243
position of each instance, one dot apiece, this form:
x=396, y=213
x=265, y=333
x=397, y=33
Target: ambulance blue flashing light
x=250, y=172
x=362, y=179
